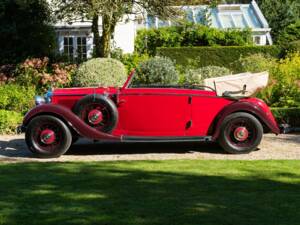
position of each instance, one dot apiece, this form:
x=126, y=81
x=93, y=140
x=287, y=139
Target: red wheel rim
x=47, y=136
x=96, y=115
x=241, y=132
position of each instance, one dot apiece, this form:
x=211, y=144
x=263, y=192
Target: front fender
x=263, y=113
x=69, y=117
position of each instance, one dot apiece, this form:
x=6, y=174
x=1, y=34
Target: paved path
x=13, y=149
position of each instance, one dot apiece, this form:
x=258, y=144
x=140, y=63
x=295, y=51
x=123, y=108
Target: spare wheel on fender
x=98, y=111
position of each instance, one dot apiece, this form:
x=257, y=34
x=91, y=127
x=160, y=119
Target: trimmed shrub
x=189, y=34
x=9, y=121
x=196, y=76
x=16, y=98
x=100, y=72
x=215, y=56
x=289, y=116
x=157, y=70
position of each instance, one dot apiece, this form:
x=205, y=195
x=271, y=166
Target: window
x=189, y=16
x=151, y=21
x=239, y=20
x=257, y=40
x=226, y=20
x=68, y=47
x=81, y=48
x=75, y=47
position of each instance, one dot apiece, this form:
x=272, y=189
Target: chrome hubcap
x=241, y=134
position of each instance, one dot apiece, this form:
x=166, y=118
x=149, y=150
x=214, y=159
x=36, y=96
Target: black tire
x=229, y=139
x=74, y=139
x=62, y=140
x=106, y=106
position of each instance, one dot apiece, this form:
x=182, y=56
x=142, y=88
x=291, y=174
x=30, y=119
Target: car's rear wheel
x=97, y=111
x=47, y=136
x=240, y=133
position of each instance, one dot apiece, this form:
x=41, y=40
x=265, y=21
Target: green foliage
x=294, y=46
x=289, y=116
x=280, y=14
x=257, y=63
x=9, y=121
x=284, y=87
x=16, y=98
x=196, y=76
x=131, y=61
x=289, y=34
x=148, y=40
x=39, y=74
x=100, y=71
x=218, y=56
x=157, y=70
x=25, y=30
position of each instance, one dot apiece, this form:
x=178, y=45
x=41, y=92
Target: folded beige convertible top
x=238, y=85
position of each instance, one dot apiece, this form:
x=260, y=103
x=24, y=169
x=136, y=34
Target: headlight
x=39, y=100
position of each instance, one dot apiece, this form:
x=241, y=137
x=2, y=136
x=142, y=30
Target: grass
x=152, y=192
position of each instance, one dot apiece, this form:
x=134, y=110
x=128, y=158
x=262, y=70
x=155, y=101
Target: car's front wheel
x=240, y=133
x=47, y=136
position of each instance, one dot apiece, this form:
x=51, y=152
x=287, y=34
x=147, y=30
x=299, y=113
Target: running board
x=166, y=139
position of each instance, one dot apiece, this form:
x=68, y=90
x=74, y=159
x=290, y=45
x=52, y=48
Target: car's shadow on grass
x=18, y=148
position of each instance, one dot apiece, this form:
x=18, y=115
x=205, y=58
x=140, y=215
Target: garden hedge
x=223, y=56
x=289, y=116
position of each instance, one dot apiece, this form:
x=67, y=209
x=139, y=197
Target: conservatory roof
x=222, y=17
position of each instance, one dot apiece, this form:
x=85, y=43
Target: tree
x=280, y=14
x=289, y=34
x=111, y=12
x=25, y=30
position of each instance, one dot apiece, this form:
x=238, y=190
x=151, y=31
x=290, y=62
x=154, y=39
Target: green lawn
x=151, y=192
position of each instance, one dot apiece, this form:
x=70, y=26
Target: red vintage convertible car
x=135, y=113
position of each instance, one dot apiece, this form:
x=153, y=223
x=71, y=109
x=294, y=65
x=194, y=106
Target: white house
x=76, y=39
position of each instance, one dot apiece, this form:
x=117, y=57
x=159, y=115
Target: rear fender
x=69, y=117
x=243, y=106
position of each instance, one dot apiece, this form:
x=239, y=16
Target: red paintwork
x=157, y=112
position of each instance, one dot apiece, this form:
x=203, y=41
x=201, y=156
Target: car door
x=205, y=106
x=153, y=112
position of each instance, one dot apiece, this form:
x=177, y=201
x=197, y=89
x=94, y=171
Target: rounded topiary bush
x=197, y=76
x=157, y=70
x=100, y=72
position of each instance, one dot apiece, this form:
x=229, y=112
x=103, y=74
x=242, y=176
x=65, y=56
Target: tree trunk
x=97, y=41
x=106, y=37
x=108, y=29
